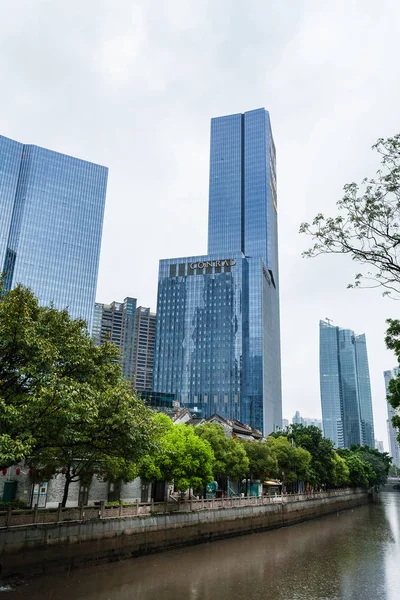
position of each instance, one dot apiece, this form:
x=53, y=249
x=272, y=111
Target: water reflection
x=352, y=555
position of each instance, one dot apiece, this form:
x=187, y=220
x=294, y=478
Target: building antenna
x=329, y=321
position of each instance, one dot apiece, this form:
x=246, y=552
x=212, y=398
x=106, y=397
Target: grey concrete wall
x=48, y=547
x=98, y=489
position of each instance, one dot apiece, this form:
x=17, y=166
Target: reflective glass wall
x=52, y=241
x=200, y=332
x=345, y=387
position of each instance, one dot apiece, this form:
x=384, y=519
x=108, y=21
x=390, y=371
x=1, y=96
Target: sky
x=133, y=85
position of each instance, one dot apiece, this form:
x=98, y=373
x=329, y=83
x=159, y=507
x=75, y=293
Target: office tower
x=51, y=208
x=306, y=421
x=285, y=424
x=297, y=420
x=218, y=332
x=143, y=343
x=345, y=387
x=379, y=446
x=115, y=322
x=393, y=432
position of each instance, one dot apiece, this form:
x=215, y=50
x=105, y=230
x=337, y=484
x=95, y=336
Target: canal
x=351, y=555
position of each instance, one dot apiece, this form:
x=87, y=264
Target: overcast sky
x=133, y=85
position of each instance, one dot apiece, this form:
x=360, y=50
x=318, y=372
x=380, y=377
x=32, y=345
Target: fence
x=17, y=517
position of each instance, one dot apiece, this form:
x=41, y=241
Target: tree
x=230, y=459
x=262, y=460
x=379, y=461
x=321, y=450
x=394, y=471
x=293, y=463
x=63, y=402
x=361, y=473
x=393, y=343
x=341, y=472
x=181, y=457
x=367, y=227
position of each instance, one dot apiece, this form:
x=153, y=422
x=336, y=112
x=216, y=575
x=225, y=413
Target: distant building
x=379, y=446
x=132, y=330
x=306, y=421
x=394, y=446
x=285, y=424
x=51, y=221
x=143, y=353
x=345, y=387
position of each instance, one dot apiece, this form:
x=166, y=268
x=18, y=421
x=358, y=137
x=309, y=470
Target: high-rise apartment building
x=393, y=432
x=143, y=343
x=51, y=220
x=132, y=330
x=345, y=387
x=218, y=331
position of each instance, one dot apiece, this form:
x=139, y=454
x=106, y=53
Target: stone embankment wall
x=34, y=549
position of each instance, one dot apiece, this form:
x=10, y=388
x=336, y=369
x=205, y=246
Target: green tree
x=367, y=226
x=230, y=459
x=393, y=343
x=262, y=460
x=63, y=402
x=341, y=472
x=394, y=471
x=293, y=463
x=321, y=450
x=181, y=457
x=361, y=473
x=379, y=461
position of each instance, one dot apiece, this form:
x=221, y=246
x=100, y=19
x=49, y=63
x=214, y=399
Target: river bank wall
x=27, y=550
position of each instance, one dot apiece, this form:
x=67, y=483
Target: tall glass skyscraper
x=51, y=220
x=218, y=331
x=393, y=432
x=345, y=387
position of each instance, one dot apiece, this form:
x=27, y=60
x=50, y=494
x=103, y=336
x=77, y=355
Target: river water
x=352, y=555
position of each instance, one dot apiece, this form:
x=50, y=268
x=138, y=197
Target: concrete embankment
x=34, y=549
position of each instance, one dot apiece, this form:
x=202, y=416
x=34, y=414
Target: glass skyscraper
x=345, y=387
x=51, y=220
x=218, y=331
x=392, y=431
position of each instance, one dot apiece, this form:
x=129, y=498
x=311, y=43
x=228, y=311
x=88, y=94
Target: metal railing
x=13, y=517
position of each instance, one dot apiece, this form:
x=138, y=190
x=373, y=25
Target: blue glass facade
x=345, y=387
x=200, y=338
x=52, y=208
x=242, y=224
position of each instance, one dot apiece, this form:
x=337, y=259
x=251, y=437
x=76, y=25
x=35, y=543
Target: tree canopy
x=63, y=401
x=367, y=226
x=292, y=463
x=262, y=460
x=230, y=459
x=181, y=456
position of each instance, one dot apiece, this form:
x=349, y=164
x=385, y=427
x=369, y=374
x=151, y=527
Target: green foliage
x=181, y=457
x=341, y=471
x=393, y=343
x=321, y=450
x=367, y=226
x=230, y=459
x=63, y=402
x=379, y=462
x=361, y=474
x=394, y=471
x=292, y=463
x=262, y=460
